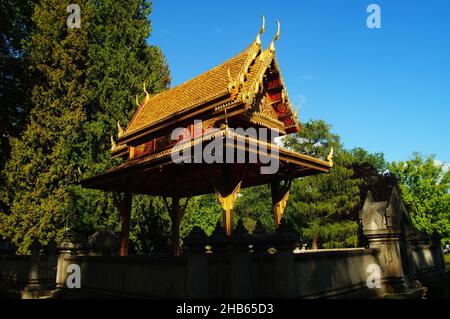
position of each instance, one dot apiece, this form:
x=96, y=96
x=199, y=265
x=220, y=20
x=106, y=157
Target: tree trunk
x=315, y=244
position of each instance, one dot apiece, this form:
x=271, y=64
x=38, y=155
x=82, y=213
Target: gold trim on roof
x=277, y=36
x=263, y=28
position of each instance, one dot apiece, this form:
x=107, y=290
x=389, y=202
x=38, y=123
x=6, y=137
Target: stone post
x=197, y=264
x=384, y=224
x=285, y=240
x=240, y=263
x=64, y=249
x=260, y=240
x=219, y=240
x=388, y=243
x=438, y=256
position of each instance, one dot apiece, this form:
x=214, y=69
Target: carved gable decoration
x=384, y=215
x=373, y=214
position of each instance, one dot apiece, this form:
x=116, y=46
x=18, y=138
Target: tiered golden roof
x=235, y=81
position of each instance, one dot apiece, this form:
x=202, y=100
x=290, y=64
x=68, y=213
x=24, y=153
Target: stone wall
x=242, y=266
x=28, y=272
x=407, y=258
x=334, y=274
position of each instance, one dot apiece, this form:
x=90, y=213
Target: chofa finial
x=277, y=36
x=261, y=31
x=137, y=100
x=119, y=129
x=296, y=111
x=330, y=157
x=113, y=144
x=147, y=95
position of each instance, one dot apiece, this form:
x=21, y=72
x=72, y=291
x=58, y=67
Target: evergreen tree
x=202, y=211
x=44, y=159
x=319, y=206
x=255, y=204
x=87, y=80
x=15, y=78
x=121, y=62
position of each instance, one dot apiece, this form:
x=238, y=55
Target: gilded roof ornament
x=263, y=28
x=113, y=144
x=330, y=157
x=277, y=36
x=147, y=95
x=296, y=112
x=232, y=85
x=119, y=129
x=137, y=101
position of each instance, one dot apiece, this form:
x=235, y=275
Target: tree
x=15, y=80
x=203, y=211
x=255, y=204
x=150, y=225
x=425, y=185
x=319, y=206
x=121, y=62
x=44, y=159
x=87, y=80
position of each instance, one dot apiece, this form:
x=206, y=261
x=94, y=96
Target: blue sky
x=387, y=90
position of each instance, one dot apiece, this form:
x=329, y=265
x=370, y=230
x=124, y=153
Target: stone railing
x=260, y=265
x=218, y=266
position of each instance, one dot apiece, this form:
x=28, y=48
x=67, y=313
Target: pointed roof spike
x=296, y=111
x=113, y=144
x=330, y=157
x=137, y=100
x=147, y=95
x=277, y=36
x=119, y=129
x=261, y=31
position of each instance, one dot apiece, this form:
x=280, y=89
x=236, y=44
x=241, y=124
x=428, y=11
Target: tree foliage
x=425, y=185
x=319, y=206
x=85, y=82
x=203, y=211
x=15, y=78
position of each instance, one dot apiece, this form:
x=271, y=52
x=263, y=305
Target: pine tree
x=44, y=159
x=87, y=80
x=121, y=62
x=320, y=206
x=15, y=78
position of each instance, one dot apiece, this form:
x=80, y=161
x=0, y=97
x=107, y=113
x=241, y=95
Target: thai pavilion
x=246, y=92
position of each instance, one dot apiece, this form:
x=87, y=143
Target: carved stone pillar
x=197, y=264
x=64, y=249
x=384, y=225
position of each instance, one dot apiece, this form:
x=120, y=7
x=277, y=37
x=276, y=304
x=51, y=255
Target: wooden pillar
x=176, y=213
x=280, y=195
x=125, y=215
